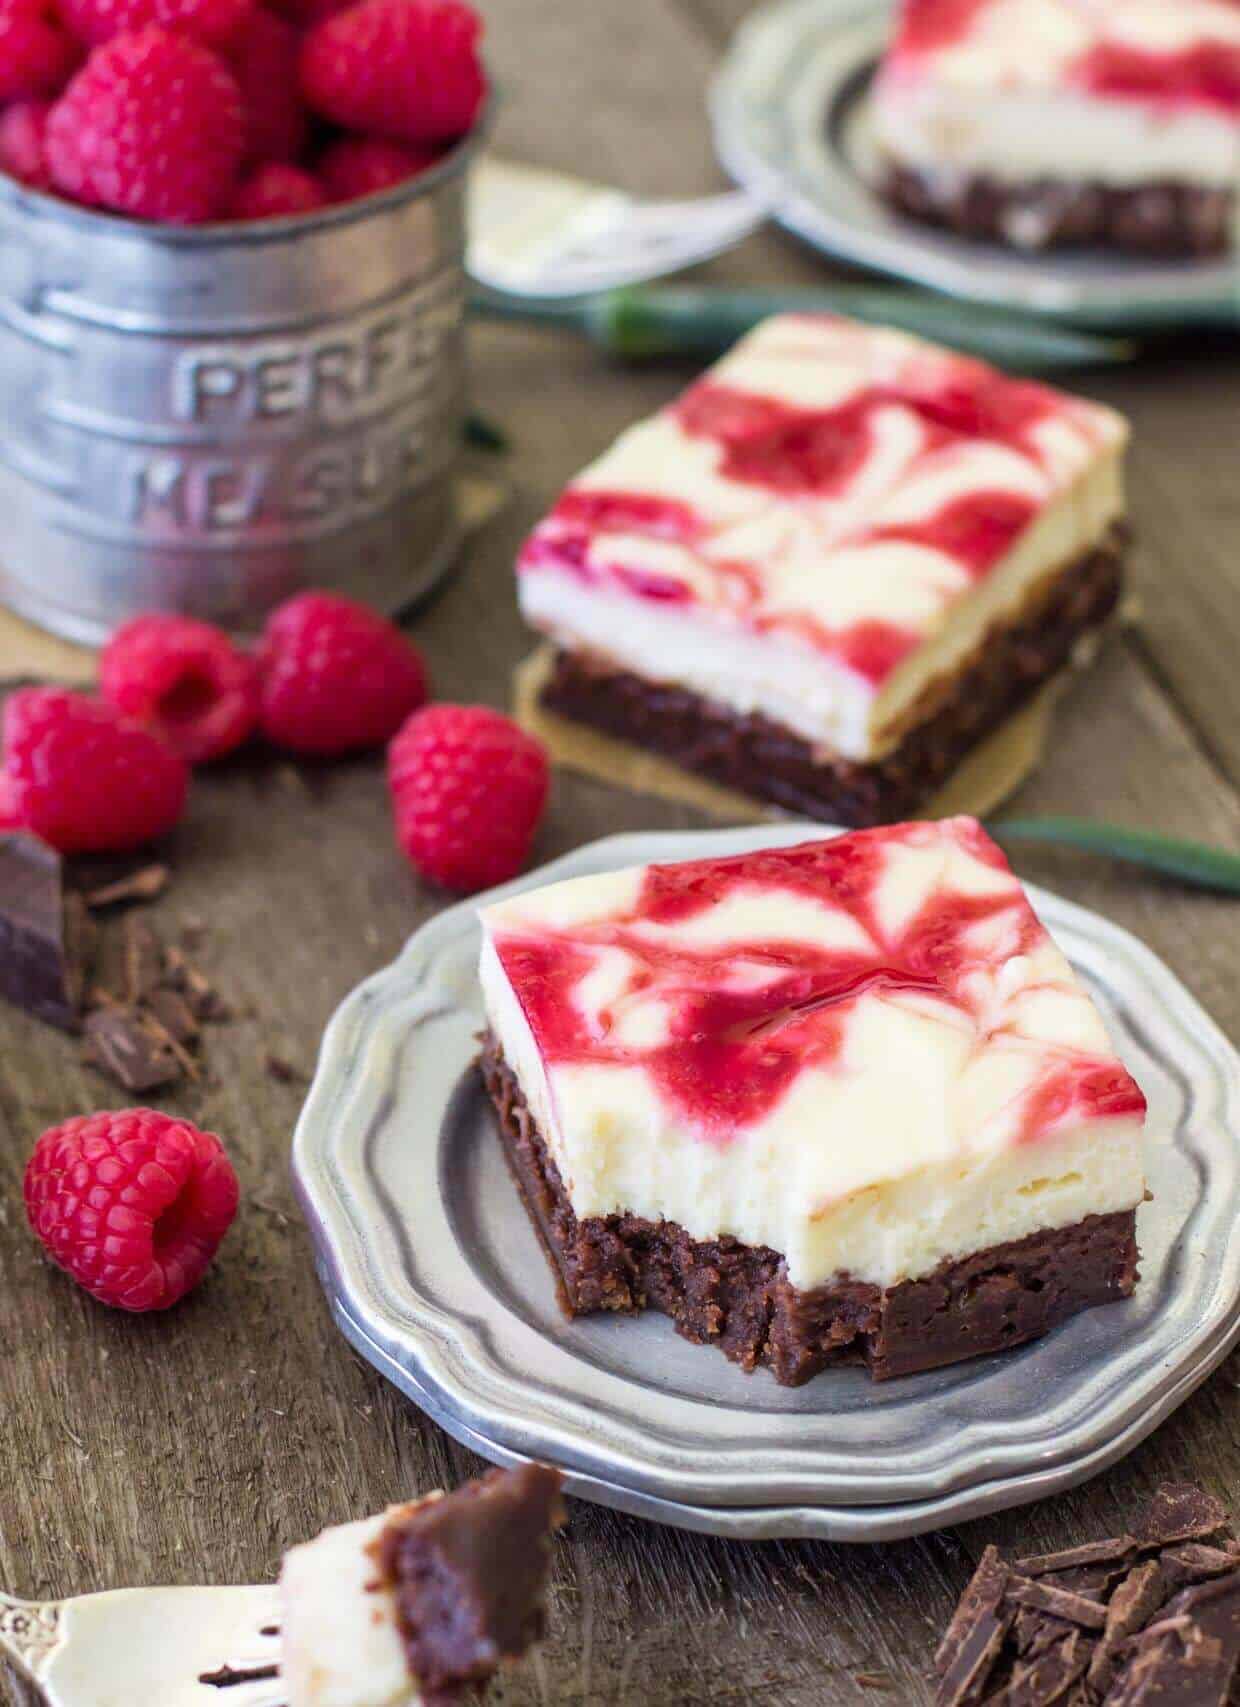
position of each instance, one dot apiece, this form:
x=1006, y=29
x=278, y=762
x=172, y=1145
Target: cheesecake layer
x=865, y=1054
x=830, y=521
x=738, y=1298
x=1069, y=99
x=758, y=757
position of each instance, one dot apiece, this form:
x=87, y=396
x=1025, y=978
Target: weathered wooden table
x=196, y=1447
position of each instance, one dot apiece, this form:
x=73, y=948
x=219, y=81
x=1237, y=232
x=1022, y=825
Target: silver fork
x=541, y=234
x=157, y=1647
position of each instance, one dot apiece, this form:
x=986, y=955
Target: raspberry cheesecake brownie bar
x=424, y=1602
x=831, y=568
x=1042, y=122
x=836, y=1101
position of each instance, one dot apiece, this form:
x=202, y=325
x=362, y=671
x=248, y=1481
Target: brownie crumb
x=1147, y=1619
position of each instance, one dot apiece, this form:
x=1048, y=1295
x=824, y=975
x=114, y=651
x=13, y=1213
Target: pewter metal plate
x=434, y=1272
x=790, y=121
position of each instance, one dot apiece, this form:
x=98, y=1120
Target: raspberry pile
x=185, y=111
x=329, y=677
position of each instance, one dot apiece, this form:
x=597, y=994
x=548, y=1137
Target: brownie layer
x=1166, y=219
x=738, y=1297
x=468, y=1573
x=769, y=762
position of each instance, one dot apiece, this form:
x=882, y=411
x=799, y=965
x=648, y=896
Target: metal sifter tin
x=207, y=419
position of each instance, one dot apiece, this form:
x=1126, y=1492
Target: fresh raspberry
x=151, y=126
x=263, y=58
x=86, y=779
x=183, y=679
x=10, y=817
x=468, y=790
x=215, y=23
x=37, y=53
x=406, y=69
x=337, y=676
x=359, y=166
x=134, y=1205
x=23, y=128
x=276, y=191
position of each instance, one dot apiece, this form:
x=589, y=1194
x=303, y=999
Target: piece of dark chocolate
x=1178, y=1511
x=1194, y=1563
x=1090, y=1553
x=130, y=1052
x=974, y=1638
x=44, y=943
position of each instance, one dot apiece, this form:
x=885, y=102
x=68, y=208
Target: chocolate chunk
x=1133, y=1604
x=128, y=1051
x=1091, y=1553
x=1042, y=1596
x=1178, y=1512
x=1046, y=1681
x=43, y=942
x=145, y=884
x=974, y=1638
x=468, y=1573
x=1033, y=1632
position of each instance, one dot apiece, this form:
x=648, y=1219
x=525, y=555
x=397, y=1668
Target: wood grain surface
x=196, y=1447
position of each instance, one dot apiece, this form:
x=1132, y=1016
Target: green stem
x=1192, y=862
x=642, y=322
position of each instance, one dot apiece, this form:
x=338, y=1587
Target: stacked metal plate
x=435, y=1275
x=791, y=126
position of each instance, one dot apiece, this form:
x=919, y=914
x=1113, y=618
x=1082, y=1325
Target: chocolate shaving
x=128, y=1051
x=1041, y=1596
x=974, y=1638
x=201, y=997
x=145, y=884
x=1178, y=1511
x=1193, y=1563
x=143, y=960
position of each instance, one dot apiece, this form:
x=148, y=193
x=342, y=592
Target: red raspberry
x=37, y=54
x=134, y=1205
x=359, y=166
x=468, y=790
x=407, y=69
x=10, y=817
x=23, y=127
x=213, y=22
x=151, y=126
x=263, y=58
x=337, y=676
x=276, y=191
x=86, y=779
x=184, y=680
